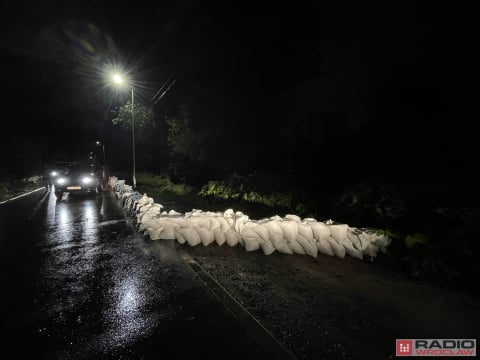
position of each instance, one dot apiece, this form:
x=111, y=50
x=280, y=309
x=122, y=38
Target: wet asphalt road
x=77, y=282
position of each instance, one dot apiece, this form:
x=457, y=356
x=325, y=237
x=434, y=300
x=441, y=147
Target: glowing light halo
x=117, y=78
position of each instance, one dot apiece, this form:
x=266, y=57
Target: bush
x=432, y=238
x=259, y=188
x=161, y=183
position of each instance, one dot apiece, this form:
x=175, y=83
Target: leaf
x=417, y=238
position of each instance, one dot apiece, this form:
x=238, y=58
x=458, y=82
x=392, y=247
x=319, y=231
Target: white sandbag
x=320, y=231
x=219, y=237
x=275, y=235
x=273, y=227
x=283, y=247
x=380, y=240
x=365, y=239
x=224, y=224
x=352, y=251
x=179, y=237
x=190, y=235
x=206, y=236
x=259, y=229
x=250, y=238
x=353, y=237
x=228, y=212
x=306, y=232
x=230, y=221
x=293, y=218
x=267, y=247
x=371, y=250
x=214, y=223
x=338, y=232
x=240, y=223
x=290, y=230
x=199, y=221
x=262, y=231
x=169, y=227
x=308, y=246
x=151, y=223
x=232, y=237
x=324, y=247
x=338, y=249
x=296, y=247
x=155, y=234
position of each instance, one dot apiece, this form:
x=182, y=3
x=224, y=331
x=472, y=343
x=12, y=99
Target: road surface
x=78, y=283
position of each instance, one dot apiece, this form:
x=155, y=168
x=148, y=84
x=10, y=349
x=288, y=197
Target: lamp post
x=98, y=143
x=118, y=79
x=104, y=172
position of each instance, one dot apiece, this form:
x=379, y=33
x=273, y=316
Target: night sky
x=317, y=87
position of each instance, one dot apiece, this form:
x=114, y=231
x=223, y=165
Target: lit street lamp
x=104, y=177
x=119, y=80
x=98, y=143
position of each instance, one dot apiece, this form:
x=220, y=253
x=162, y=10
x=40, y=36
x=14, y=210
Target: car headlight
x=61, y=181
x=87, y=180
x=54, y=173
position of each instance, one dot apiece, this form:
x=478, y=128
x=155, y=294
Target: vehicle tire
x=59, y=194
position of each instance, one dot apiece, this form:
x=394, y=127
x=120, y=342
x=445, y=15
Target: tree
x=144, y=117
x=185, y=145
x=151, y=154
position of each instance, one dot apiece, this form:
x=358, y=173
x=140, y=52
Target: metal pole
x=133, y=142
x=104, y=158
x=104, y=168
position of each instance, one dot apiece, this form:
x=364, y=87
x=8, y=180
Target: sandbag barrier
x=288, y=235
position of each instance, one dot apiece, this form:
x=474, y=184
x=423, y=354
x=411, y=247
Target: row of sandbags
x=287, y=235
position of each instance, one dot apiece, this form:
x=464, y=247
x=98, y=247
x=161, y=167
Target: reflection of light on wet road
x=52, y=202
x=125, y=315
x=63, y=215
x=89, y=215
x=72, y=248
x=129, y=298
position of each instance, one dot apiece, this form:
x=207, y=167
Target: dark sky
x=355, y=81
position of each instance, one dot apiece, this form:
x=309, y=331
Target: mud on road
x=331, y=308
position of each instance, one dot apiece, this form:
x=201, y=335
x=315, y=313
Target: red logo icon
x=404, y=347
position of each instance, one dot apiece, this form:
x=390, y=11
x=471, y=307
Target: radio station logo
x=436, y=347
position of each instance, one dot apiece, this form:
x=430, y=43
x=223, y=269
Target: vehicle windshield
x=79, y=170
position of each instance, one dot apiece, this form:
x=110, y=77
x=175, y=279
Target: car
x=77, y=179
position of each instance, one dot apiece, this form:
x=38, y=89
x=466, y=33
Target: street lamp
x=119, y=80
x=98, y=143
x=104, y=174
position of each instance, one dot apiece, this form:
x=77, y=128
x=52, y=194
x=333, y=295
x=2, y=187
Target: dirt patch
x=333, y=308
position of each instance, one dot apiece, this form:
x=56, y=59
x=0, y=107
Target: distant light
x=117, y=78
x=61, y=181
x=54, y=173
x=87, y=180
